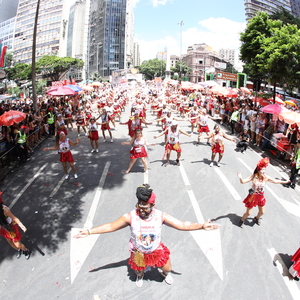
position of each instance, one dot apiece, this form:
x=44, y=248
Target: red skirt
x=66, y=157
x=203, y=129
x=157, y=259
x=105, y=127
x=137, y=152
x=174, y=147
x=217, y=148
x=93, y=135
x=13, y=235
x=254, y=200
x=296, y=260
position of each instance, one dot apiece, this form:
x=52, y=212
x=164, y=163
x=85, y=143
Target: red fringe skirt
x=254, y=200
x=13, y=235
x=156, y=259
x=66, y=157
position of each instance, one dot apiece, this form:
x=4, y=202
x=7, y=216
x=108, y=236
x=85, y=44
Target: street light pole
x=180, y=62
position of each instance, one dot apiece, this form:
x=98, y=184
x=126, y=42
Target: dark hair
x=3, y=221
x=143, y=192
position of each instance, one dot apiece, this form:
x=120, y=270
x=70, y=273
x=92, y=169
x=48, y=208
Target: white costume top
x=203, y=120
x=64, y=146
x=146, y=234
x=93, y=126
x=173, y=137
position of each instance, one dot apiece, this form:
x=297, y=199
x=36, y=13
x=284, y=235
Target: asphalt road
x=229, y=263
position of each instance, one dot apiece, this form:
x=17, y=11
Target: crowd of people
x=57, y=116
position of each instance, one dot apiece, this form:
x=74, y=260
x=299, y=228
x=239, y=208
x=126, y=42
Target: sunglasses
x=143, y=208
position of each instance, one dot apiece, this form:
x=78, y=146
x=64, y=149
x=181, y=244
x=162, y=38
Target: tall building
x=110, y=36
x=268, y=6
x=7, y=33
x=136, y=55
x=295, y=7
x=8, y=9
x=51, y=29
x=228, y=55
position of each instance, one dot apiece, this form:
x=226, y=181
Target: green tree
x=153, y=68
x=285, y=16
x=184, y=68
x=53, y=67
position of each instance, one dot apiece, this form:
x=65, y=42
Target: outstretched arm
x=187, y=226
x=246, y=179
x=273, y=180
x=120, y=223
x=8, y=213
x=185, y=133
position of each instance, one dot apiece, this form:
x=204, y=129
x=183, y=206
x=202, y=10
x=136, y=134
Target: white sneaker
x=66, y=177
x=93, y=150
x=75, y=176
x=86, y=134
x=139, y=281
x=218, y=164
x=78, y=134
x=97, y=150
x=104, y=140
x=111, y=140
x=211, y=164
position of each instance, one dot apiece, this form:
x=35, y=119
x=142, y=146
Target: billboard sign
x=226, y=76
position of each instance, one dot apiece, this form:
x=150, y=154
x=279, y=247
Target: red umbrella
x=273, y=109
x=11, y=117
x=60, y=91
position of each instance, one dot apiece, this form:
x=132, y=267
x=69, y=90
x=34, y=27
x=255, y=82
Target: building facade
x=268, y=6
x=51, y=29
x=8, y=9
x=136, y=55
x=110, y=36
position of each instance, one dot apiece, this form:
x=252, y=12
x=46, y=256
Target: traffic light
x=209, y=77
x=241, y=80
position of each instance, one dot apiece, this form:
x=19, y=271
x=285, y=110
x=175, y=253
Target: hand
x=239, y=175
x=82, y=233
x=22, y=227
x=208, y=226
x=155, y=137
x=77, y=141
x=45, y=149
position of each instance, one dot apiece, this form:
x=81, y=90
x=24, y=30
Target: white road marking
x=283, y=270
x=288, y=206
x=229, y=186
x=208, y=241
x=27, y=185
x=80, y=248
x=89, y=220
x=59, y=184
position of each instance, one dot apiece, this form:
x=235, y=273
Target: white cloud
x=215, y=32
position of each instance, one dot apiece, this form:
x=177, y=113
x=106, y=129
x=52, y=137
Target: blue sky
x=216, y=23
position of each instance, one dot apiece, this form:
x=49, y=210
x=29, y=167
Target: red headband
x=152, y=198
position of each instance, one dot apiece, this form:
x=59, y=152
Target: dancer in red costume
x=295, y=267
x=172, y=141
x=145, y=246
x=256, y=196
x=9, y=229
x=138, y=150
x=63, y=144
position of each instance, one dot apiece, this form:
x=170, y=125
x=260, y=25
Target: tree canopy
x=153, y=68
x=271, y=50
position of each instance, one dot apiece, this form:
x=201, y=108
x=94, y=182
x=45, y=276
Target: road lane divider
x=27, y=185
x=80, y=248
x=208, y=241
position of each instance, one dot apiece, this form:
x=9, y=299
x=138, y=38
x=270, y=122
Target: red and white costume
x=203, y=127
x=139, y=149
x=93, y=131
x=258, y=197
x=146, y=239
x=217, y=145
x=173, y=140
x=14, y=234
x=64, y=150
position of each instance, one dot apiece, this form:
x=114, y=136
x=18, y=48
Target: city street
x=229, y=263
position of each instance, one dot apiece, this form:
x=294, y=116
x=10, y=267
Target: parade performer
x=80, y=121
x=172, y=141
x=10, y=231
x=138, y=150
x=135, y=123
x=145, y=221
x=63, y=143
x=217, y=144
x=256, y=195
x=93, y=134
x=105, y=125
x=295, y=267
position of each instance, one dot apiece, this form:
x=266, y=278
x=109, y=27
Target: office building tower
x=51, y=29
x=110, y=36
x=136, y=55
x=295, y=7
x=268, y=6
x=8, y=9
